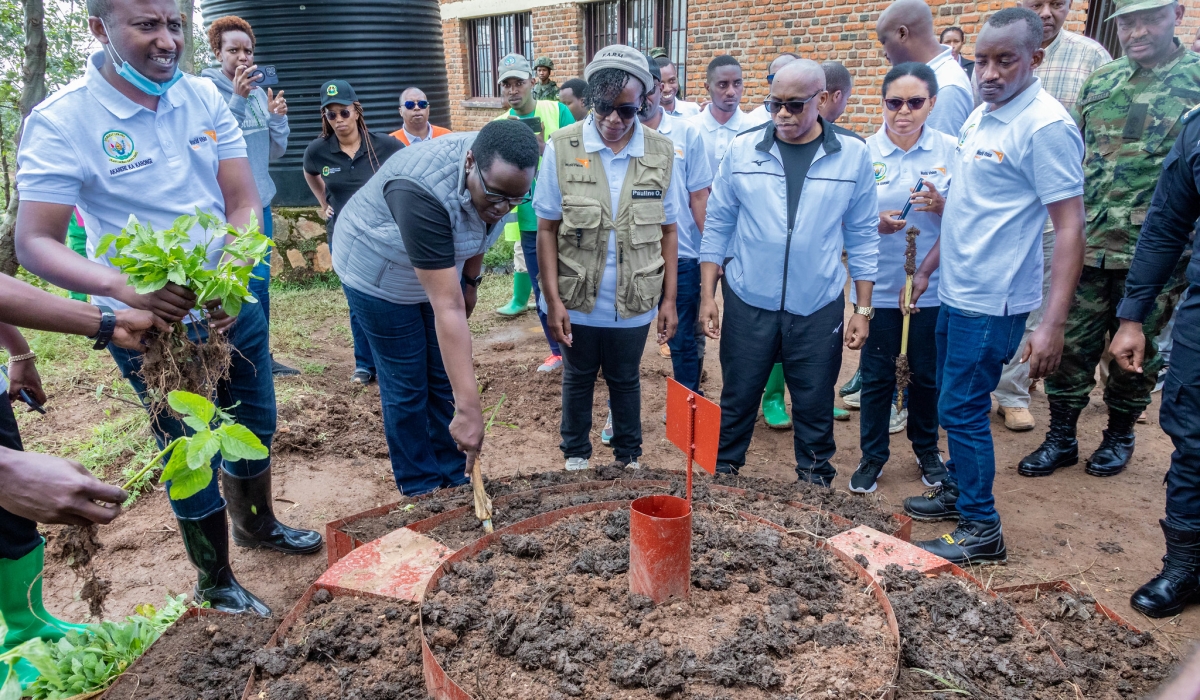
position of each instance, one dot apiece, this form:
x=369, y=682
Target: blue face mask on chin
x=136, y=79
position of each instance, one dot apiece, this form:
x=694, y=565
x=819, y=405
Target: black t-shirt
x=344, y=175
x=424, y=224
x=796, y=160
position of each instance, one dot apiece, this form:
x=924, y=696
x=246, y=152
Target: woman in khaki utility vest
x=607, y=250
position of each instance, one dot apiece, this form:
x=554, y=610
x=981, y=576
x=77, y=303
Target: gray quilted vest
x=368, y=251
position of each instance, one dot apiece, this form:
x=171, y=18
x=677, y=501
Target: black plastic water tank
x=380, y=46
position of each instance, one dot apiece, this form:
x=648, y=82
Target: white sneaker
x=898, y=421
x=633, y=465
x=576, y=464
x=852, y=400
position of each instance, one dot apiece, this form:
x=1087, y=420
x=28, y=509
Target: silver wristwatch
x=868, y=311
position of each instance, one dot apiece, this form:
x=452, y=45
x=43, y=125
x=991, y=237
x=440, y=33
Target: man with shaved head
x=789, y=196
x=759, y=115
x=905, y=29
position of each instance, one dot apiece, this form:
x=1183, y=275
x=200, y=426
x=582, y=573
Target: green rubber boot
x=522, y=288
x=840, y=414
x=24, y=613
x=774, y=409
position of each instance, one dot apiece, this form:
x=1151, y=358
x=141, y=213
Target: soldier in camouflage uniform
x=543, y=87
x=1130, y=112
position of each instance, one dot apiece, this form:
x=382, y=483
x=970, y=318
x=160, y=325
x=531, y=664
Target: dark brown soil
x=1106, y=661
x=352, y=648
x=175, y=362
x=76, y=547
x=200, y=658
x=336, y=423
x=549, y=615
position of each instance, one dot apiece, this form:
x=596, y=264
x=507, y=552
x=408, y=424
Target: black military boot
x=207, y=544
x=971, y=542
x=1179, y=582
x=253, y=518
x=938, y=503
x=1116, y=449
x=1059, y=449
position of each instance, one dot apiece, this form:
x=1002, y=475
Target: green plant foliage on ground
x=500, y=254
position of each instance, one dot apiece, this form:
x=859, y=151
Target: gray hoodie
x=266, y=134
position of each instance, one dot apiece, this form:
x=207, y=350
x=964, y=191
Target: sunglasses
x=914, y=103
x=625, y=112
x=332, y=115
x=497, y=198
x=793, y=106
x=409, y=104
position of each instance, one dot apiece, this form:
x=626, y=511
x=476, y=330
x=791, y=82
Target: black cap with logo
x=337, y=92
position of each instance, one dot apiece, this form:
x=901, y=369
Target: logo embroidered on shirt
x=118, y=146
x=585, y=162
x=992, y=155
x=646, y=194
x=760, y=162
x=130, y=167
x=880, y=171
x=327, y=171
x=934, y=171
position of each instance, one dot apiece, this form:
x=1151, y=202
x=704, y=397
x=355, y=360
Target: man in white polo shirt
x=905, y=29
x=723, y=118
x=136, y=136
x=1021, y=142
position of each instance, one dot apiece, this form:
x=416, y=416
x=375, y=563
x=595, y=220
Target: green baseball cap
x=514, y=65
x=1125, y=7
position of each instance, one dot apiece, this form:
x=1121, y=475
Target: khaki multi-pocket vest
x=587, y=218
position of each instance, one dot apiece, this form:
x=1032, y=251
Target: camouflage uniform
x=545, y=91
x=1130, y=117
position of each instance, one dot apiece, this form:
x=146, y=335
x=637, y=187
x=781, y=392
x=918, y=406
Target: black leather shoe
x=207, y=544
x=1116, y=449
x=971, y=542
x=938, y=503
x=278, y=369
x=820, y=474
x=253, y=518
x=1179, y=583
x=1059, y=449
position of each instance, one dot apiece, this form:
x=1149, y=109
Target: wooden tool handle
x=904, y=324
x=483, y=504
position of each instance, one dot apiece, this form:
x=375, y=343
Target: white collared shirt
x=547, y=204
x=89, y=146
x=683, y=109
x=417, y=139
x=955, y=98
x=717, y=136
x=691, y=166
x=1009, y=164
x=759, y=115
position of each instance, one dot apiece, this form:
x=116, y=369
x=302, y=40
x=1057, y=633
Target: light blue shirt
x=955, y=98
x=547, y=204
x=691, y=166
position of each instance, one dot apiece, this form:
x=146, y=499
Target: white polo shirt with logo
x=955, y=97
x=89, y=146
x=1009, y=164
x=717, y=136
x=691, y=166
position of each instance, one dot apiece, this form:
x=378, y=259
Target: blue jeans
x=529, y=248
x=261, y=288
x=414, y=389
x=248, y=394
x=685, y=357
x=972, y=350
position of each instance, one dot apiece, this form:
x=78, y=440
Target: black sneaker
x=933, y=469
x=278, y=369
x=972, y=542
x=939, y=503
x=822, y=476
x=864, y=478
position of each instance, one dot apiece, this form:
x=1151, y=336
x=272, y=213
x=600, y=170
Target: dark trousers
x=261, y=288
x=529, y=249
x=878, y=365
x=18, y=536
x=685, y=355
x=972, y=350
x=418, y=402
x=248, y=394
x=1180, y=419
x=811, y=351
x=618, y=351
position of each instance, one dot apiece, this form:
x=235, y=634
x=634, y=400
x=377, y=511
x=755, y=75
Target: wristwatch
x=868, y=311
x=472, y=281
x=108, y=323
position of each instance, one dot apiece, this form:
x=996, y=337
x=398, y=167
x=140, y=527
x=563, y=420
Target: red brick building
x=478, y=32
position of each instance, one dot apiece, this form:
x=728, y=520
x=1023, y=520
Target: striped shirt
x=1069, y=60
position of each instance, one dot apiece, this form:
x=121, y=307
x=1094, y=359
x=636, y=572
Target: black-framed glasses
x=497, y=198
x=625, y=112
x=914, y=103
x=793, y=106
x=332, y=115
x=410, y=104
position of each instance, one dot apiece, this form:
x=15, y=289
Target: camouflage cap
x=1125, y=7
x=544, y=62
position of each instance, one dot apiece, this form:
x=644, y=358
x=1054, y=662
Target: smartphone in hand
x=908, y=204
x=265, y=76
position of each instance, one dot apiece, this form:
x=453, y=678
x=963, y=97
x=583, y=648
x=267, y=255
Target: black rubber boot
x=939, y=503
x=1116, y=449
x=253, y=519
x=1179, y=582
x=1059, y=449
x=207, y=544
x=971, y=543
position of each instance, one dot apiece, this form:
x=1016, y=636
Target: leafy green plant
x=499, y=255
x=188, y=467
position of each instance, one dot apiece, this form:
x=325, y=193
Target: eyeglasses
x=793, y=106
x=423, y=104
x=625, y=112
x=914, y=103
x=497, y=198
x=332, y=115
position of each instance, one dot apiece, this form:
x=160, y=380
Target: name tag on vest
x=646, y=194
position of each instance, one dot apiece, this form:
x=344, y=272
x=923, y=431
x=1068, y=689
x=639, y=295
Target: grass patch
x=501, y=253
x=314, y=368
x=113, y=450
x=495, y=291
x=296, y=312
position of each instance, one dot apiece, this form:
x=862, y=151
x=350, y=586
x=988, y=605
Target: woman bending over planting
x=136, y=136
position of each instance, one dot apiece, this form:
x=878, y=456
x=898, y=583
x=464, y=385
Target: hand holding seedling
x=132, y=324
x=51, y=490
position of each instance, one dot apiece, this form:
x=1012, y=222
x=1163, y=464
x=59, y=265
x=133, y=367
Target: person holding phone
x=262, y=115
x=911, y=164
